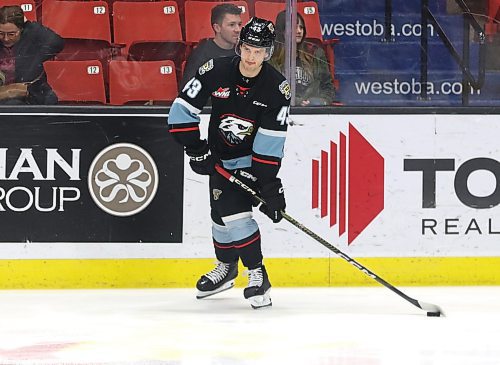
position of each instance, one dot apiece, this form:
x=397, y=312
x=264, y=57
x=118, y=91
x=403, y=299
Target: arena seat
x=28, y=6
x=180, y=4
x=85, y=27
x=309, y=11
x=78, y=19
x=142, y=82
x=162, y=23
x=77, y=81
x=197, y=18
x=493, y=23
x=160, y=40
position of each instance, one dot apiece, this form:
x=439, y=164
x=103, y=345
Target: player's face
x=251, y=59
x=228, y=31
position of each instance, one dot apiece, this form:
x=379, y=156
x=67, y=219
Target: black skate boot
x=257, y=291
x=219, y=279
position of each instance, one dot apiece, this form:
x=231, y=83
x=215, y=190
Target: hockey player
x=246, y=135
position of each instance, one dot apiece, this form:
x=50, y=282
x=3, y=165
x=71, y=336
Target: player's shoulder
x=226, y=61
x=278, y=84
x=272, y=74
x=215, y=65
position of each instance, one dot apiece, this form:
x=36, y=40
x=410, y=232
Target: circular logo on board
x=123, y=179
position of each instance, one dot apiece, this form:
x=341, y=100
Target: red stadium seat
x=28, y=6
x=144, y=82
x=309, y=11
x=84, y=25
x=492, y=25
x=138, y=22
x=197, y=18
x=78, y=19
x=251, y=4
x=76, y=81
x=160, y=40
x=180, y=4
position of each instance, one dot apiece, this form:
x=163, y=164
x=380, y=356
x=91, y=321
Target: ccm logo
x=357, y=169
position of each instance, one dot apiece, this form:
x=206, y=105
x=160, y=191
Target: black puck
x=433, y=314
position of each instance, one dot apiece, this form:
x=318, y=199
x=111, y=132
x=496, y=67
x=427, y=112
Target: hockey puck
x=433, y=314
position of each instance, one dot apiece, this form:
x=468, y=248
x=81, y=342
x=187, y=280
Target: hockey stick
x=431, y=309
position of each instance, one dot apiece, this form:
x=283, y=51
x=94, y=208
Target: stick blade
x=432, y=310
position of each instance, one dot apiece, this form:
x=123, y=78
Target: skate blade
x=261, y=301
x=204, y=294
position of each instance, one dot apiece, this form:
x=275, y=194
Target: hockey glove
x=201, y=160
x=272, y=194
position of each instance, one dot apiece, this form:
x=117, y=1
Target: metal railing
x=468, y=80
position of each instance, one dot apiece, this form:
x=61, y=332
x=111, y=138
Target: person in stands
x=226, y=23
x=314, y=86
x=24, y=47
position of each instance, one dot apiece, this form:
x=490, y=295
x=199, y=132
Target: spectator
x=226, y=23
x=24, y=46
x=314, y=84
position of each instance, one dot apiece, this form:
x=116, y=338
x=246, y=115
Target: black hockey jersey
x=248, y=122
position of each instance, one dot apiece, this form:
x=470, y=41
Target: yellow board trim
x=283, y=272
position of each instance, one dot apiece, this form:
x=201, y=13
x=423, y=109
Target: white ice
x=310, y=326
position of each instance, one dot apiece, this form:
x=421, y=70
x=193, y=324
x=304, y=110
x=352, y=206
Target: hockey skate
x=219, y=279
x=257, y=291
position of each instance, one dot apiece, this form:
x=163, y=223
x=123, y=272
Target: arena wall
x=411, y=195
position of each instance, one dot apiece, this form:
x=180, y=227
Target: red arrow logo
x=361, y=170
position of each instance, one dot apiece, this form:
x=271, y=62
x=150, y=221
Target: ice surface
x=310, y=326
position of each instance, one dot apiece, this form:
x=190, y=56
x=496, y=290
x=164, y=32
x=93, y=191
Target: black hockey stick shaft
x=430, y=308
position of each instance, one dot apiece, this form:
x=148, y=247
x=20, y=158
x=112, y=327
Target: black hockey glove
x=272, y=194
x=201, y=160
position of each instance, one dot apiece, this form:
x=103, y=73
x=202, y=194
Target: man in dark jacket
x=24, y=47
x=226, y=23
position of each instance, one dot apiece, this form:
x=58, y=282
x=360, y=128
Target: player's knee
x=221, y=233
x=241, y=227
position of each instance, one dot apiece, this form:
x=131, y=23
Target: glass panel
x=348, y=52
x=382, y=58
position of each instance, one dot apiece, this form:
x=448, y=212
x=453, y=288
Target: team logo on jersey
x=286, y=89
x=242, y=91
x=206, y=67
x=216, y=193
x=234, y=129
x=222, y=93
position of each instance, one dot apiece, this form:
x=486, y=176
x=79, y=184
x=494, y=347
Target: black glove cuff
x=198, y=151
x=272, y=189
